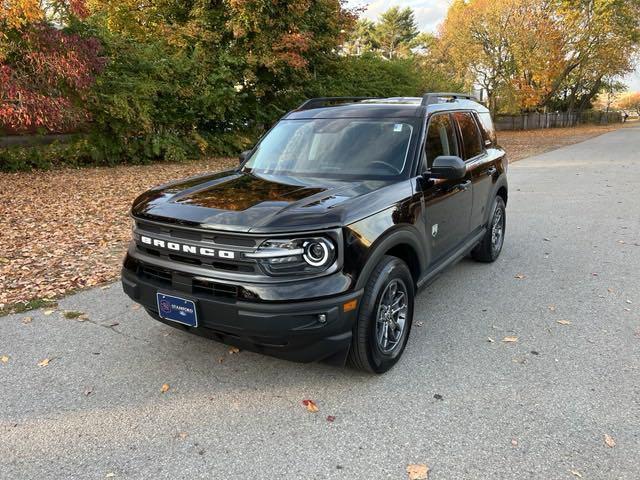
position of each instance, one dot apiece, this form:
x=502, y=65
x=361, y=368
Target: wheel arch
x=402, y=243
x=500, y=189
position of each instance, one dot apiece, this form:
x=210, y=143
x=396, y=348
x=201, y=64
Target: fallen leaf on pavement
x=490, y=340
x=88, y=391
x=182, y=435
x=629, y=302
x=510, y=339
x=44, y=362
x=419, y=324
x=563, y=322
x=311, y=405
x=520, y=276
x=575, y=473
x=330, y=418
x=514, y=442
x=73, y=314
x=165, y=388
x=26, y=320
x=4, y=359
x=221, y=359
x=552, y=308
x=110, y=475
x=48, y=312
x=135, y=306
x=233, y=350
x=609, y=441
x=594, y=274
x=418, y=471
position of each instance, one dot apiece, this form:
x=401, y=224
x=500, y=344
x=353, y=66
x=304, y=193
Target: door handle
x=464, y=186
x=491, y=172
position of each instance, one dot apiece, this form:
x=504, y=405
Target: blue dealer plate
x=177, y=309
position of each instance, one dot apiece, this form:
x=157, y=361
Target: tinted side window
x=470, y=135
x=440, y=138
x=488, y=130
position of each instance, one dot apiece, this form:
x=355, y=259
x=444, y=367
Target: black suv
x=314, y=247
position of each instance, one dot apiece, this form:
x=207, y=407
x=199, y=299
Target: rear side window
x=488, y=130
x=440, y=138
x=470, y=134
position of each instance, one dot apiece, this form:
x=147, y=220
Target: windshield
x=335, y=148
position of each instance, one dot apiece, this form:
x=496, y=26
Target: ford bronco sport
x=314, y=247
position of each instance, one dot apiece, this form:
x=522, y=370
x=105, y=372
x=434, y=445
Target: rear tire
x=489, y=248
x=384, y=317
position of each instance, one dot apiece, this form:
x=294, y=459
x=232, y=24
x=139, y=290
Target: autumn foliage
x=630, y=102
x=45, y=72
x=529, y=54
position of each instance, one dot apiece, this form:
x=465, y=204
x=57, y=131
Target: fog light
x=322, y=318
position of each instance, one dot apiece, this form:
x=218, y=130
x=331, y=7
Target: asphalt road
x=537, y=408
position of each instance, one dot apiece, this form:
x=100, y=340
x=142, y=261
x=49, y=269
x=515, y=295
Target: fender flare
x=386, y=241
x=500, y=183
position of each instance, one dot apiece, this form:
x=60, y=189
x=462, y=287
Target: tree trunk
x=558, y=83
x=592, y=93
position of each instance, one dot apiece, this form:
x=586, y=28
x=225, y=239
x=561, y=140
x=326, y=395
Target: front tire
x=488, y=250
x=384, y=318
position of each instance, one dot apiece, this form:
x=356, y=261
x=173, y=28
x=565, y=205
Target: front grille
x=155, y=273
x=236, y=241
x=216, y=241
x=164, y=277
x=214, y=288
x=189, y=260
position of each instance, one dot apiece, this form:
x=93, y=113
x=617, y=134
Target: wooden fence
x=531, y=121
x=31, y=140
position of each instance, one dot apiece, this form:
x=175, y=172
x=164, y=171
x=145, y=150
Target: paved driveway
x=469, y=407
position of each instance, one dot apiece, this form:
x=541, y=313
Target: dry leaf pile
x=68, y=229
x=522, y=144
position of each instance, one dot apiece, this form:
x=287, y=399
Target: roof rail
x=434, y=97
x=323, y=101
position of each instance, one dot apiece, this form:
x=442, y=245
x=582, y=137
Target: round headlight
x=317, y=252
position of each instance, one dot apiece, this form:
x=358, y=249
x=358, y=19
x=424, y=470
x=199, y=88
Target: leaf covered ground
x=522, y=144
x=64, y=230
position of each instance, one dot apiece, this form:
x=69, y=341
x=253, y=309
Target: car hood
x=248, y=202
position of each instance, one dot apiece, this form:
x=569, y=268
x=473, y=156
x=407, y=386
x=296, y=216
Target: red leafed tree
x=46, y=66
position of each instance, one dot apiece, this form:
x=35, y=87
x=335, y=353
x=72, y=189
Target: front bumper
x=289, y=330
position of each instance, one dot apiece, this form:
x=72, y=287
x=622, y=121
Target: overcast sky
x=429, y=13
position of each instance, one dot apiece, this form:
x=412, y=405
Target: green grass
x=34, y=304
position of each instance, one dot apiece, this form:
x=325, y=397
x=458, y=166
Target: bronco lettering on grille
x=179, y=247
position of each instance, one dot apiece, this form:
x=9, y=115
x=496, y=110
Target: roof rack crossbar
x=322, y=101
x=433, y=97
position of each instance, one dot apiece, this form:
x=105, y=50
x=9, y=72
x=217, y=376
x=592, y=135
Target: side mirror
x=244, y=155
x=448, y=168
